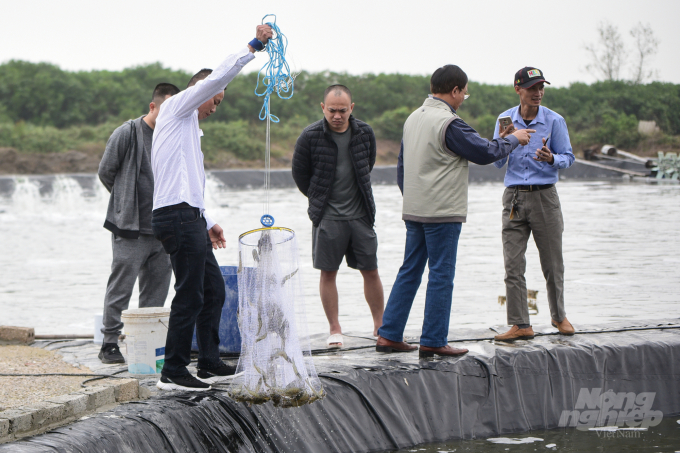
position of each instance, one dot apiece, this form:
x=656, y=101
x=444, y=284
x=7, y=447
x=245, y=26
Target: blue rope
x=275, y=74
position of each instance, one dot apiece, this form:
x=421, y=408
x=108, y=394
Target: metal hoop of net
x=276, y=358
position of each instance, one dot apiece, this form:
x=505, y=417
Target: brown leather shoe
x=564, y=327
x=515, y=333
x=447, y=351
x=385, y=345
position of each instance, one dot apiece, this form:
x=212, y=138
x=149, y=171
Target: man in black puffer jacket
x=332, y=167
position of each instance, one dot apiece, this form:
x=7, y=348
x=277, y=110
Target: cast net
x=275, y=359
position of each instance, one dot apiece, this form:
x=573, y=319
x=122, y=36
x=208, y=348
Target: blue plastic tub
x=230, y=336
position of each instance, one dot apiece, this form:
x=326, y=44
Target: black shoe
x=186, y=382
x=222, y=373
x=110, y=353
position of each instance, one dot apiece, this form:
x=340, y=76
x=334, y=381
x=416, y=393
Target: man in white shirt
x=187, y=232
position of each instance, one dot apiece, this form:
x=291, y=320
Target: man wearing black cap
x=531, y=204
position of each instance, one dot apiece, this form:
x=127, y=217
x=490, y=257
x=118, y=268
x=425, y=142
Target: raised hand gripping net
x=276, y=358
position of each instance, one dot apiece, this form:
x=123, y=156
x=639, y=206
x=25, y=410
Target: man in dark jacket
x=332, y=167
x=125, y=171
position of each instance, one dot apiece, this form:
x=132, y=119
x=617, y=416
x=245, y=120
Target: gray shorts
x=354, y=239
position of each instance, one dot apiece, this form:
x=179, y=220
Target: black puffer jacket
x=315, y=159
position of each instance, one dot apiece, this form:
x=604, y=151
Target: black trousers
x=199, y=288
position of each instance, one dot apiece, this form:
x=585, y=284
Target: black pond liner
x=394, y=401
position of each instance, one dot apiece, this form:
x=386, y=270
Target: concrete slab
x=34, y=418
x=4, y=428
x=75, y=404
x=45, y=414
x=99, y=396
x=19, y=420
x=16, y=335
x=126, y=390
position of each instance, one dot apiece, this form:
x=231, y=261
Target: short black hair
x=162, y=91
x=337, y=88
x=200, y=75
x=446, y=78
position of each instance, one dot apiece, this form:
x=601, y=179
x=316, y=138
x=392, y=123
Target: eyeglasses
x=465, y=95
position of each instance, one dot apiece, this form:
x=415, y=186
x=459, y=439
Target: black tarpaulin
x=376, y=402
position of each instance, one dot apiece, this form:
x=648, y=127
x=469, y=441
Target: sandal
x=334, y=341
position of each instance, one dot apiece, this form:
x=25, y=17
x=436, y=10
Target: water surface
x=664, y=437
x=621, y=251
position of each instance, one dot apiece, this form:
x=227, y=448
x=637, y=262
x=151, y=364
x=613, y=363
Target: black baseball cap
x=528, y=77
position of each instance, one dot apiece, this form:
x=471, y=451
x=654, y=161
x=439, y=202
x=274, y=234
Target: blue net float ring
x=267, y=220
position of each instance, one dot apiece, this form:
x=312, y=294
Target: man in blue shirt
x=531, y=205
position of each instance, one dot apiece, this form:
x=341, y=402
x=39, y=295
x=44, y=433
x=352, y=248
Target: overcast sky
x=490, y=40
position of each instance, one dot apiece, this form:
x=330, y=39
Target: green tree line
x=46, y=109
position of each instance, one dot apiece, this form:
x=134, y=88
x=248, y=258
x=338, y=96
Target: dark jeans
x=199, y=288
x=436, y=243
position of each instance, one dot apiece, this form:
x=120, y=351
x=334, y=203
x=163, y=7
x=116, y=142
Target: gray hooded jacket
x=118, y=171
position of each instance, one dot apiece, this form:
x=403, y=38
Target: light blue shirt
x=523, y=170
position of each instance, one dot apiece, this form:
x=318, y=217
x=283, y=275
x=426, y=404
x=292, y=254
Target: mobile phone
x=547, y=139
x=505, y=121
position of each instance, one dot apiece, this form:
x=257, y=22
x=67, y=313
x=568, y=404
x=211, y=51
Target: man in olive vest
x=433, y=176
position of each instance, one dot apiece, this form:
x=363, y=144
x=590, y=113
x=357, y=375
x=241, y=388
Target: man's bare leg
x=329, y=299
x=373, y=291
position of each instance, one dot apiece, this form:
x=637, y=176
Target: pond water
x=664, y=437
x=621, y=251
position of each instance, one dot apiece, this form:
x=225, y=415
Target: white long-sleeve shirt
x=176, y=156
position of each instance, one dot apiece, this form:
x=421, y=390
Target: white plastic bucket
x=145, y=332
x=98, y=325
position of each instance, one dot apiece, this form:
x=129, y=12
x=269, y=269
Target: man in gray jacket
x=125, y=171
